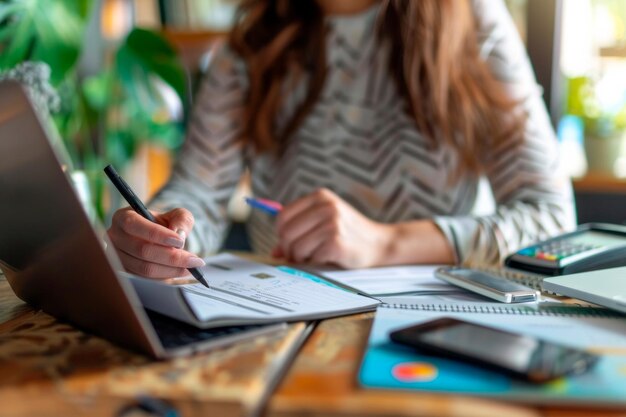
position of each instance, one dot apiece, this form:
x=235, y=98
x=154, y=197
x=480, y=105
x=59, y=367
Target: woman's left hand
x=321, y=228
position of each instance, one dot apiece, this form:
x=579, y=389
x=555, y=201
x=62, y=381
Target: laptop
x=606, y=287
x=54, y=256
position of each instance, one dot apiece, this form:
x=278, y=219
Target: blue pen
x=268, y=206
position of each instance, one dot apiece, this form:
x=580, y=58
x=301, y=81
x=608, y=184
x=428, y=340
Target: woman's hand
x=153, y=250
x=321, y=228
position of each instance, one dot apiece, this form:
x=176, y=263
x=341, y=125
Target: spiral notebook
x=391, y=366
x=553, y=309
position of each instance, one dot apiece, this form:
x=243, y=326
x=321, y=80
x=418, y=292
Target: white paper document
x=244, y=292
x=390, y=280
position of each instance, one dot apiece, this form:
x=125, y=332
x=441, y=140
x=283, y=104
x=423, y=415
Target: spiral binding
x=539, y=310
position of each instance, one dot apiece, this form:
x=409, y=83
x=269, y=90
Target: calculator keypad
x=555, y=251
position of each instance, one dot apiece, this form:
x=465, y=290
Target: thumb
x=179, y=220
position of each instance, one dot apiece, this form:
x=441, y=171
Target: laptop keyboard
x=174, y=333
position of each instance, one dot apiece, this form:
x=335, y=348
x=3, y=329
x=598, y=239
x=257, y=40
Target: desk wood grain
x=49, y=368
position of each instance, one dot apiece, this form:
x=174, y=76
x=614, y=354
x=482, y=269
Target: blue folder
x=391, y=366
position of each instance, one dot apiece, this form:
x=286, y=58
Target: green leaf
x=45, y=30
x=135, y=79
x=121, y=146
x=82, y=8
x=577, y=95
x=59, y=44
x=17, y=48
x=97, y=91
x=146, y=52
x=7, y=9
x=5, y=33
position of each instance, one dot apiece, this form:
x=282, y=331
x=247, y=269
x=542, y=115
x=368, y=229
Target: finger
x=326, y=254
x=135, y=225
x=277, y=252
x=180, y=280
x=179, y=220
x=302, y=223
x=149, y=252
x=148, y=269
x=295, y=208
x=303, y=248
x=311, y=220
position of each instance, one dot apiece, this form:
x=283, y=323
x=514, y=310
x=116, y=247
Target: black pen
x=138, y=206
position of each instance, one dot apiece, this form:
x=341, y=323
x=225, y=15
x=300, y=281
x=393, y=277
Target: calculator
x=592, y=246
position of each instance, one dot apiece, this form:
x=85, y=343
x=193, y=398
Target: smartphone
x=489, y=285
x=518, y=355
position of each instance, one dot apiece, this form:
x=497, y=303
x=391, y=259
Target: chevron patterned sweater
x=359, y=142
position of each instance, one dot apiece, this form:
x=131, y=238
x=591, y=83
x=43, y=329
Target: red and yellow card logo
x=414, y=372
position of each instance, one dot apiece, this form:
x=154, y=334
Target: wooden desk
x=322, y=382
x=50, y=369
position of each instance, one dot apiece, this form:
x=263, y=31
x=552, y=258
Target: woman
x=372, y=122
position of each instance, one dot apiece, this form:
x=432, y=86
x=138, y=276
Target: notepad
x=245, y=292
x=392, y=366
x=386, y=281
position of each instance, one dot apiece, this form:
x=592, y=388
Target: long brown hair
x=434, y=60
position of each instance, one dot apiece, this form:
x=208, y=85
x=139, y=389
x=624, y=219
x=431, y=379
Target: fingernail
x=182, y=234
x=195, y=262
x=175, y=242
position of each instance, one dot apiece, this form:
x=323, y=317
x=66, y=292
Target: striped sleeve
x=211, y=160
x=533, y=198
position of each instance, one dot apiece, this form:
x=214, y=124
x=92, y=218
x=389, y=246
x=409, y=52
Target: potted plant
x=604, y=125
x=102, y=117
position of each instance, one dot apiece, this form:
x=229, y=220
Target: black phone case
x=406, y=337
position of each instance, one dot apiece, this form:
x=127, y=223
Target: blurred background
x=118, y=77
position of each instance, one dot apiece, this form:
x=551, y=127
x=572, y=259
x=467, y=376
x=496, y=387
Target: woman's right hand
x=150, y=249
